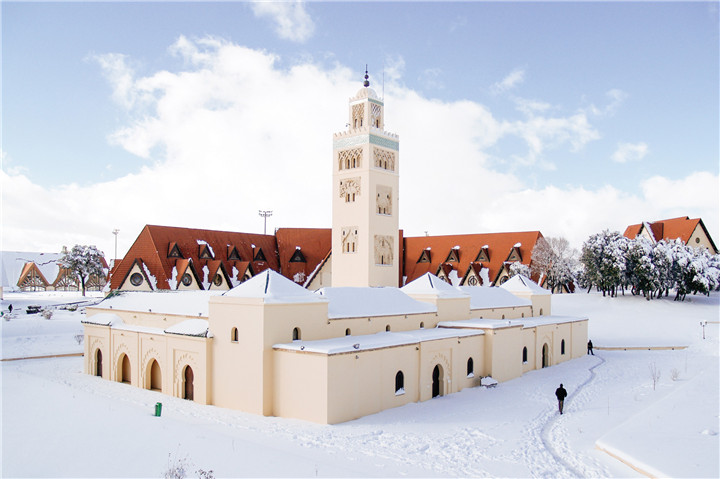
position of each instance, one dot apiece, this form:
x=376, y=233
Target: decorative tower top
x=366, y=83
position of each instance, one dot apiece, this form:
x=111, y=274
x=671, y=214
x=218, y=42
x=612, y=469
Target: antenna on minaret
x=366, y=83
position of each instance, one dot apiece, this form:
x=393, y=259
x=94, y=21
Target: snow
x=346, y=344
x=13, y=263
x=512, y=430
x=191, y=327
x=273, y=287
x=429, y=284
x=492, y=297
x=523, y=284
x=203, y=242
x=150, y=277
x=184, y=303
x=348, y=302
x=529, y=322
x=206, y=279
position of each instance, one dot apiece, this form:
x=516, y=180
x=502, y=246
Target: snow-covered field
x=59, y=422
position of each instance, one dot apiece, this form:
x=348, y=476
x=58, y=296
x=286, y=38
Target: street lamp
x=265, y=214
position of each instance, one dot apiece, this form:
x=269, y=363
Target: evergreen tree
x=84, y=261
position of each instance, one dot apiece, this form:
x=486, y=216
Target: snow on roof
x=102, y=319
x=14, y=261
x=432, y=285
x=350, y=302
x=273, y=287
x=523, y=284
x=530, y=322
x=482, y=297
x=187, y=303
x=191, y=327
x=348, y=344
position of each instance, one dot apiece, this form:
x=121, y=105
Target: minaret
x=365, y=240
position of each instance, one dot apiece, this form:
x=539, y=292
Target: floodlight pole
x=265, y=214
x=115, y=232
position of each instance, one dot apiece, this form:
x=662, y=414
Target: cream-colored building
x=272, y=347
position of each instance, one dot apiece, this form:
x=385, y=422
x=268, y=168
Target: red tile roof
x=500, y=245
x=314, y=244
x=681, y=227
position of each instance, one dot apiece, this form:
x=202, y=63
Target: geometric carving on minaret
x=349, y=188
x=383, y=200
x=384, y=249
x=350, y=158
x=384, y=159
x=358, y=113
x=349, y=237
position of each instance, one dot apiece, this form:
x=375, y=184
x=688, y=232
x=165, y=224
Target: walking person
x=561, y=394
x=590, y=346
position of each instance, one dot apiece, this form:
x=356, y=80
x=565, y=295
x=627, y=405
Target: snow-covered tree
x=603, y=259
x=85, y=262
x=555, y=261
x=516, y=267
x=641, y=275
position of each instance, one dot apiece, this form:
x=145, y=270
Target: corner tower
x=365, y=240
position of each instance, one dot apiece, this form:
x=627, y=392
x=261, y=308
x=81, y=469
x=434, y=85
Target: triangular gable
x=217, y=275
x=453, y=256
x=66, y=280
x=187, y=276
x=443, y=271
x=259, y=256
x=472, y=276
x=424, y=256
x=514, y=255
x=483, y=255
x=205, y=252
x=31, y=278
x=130, y=281
x=233, y=254
x=297, y=256
x=174, y=250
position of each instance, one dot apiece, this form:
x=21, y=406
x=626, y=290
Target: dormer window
x=233, y=253
x=298, y=257
x=174, y=251
x=259, y=256
x=483, y=256
x=205, y=252
x=424, y=257
x=453, y=256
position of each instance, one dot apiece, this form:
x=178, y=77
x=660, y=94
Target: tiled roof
x=681, y=227
x=499, y=247
x=313, y=243
x=152, y=246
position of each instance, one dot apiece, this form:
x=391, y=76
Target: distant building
x=692, y=232
x=31, y=271
x=248, y=333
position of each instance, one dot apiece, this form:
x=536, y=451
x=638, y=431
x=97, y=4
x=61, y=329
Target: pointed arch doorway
x=188, y=378
x=437, y=381
x=545, y=355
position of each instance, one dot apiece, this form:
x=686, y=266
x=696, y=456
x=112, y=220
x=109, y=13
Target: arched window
x=399, y=383
x=387, y=328
x=422, y=325
x=296, y=334
x=234, y=335
x=347, y=332
x=522, y=315
x=541, y=312
x=125, y=369
x=562, y=347
x=470, y=368
x=503, y=316
x=155, y=376
x=525, y=355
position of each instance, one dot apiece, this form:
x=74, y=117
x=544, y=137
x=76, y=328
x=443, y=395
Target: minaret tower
x=365, y=239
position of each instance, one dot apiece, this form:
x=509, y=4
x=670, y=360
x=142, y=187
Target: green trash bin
x=158, y=409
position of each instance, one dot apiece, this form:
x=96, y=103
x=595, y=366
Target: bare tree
x=654, y=374
x=554, y=260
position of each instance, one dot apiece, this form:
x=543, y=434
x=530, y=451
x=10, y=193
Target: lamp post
x=265, y=214
x=115, y=232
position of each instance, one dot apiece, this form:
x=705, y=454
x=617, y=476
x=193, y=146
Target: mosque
x=350, y=344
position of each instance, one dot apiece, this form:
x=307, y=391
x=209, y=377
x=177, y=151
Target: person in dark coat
x=590, y=351
x=10, y=308
x=561, y=394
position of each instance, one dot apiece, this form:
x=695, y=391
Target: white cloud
x=232, y=133
x=292, y=21
x=513, y=79
x=615, y=97
x=626, y=152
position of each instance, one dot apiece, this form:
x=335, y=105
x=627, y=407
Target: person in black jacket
x=561, y=394
x=590, y=351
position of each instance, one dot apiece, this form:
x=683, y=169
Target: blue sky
x=564, y=117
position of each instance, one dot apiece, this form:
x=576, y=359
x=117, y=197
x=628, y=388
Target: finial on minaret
x=366, y=83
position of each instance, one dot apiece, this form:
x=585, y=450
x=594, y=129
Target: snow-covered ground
x=59, y=422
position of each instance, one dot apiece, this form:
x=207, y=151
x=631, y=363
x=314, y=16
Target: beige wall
x=146, y=319
x=503, y=349
x=511, y=312
x=128, y=286
x=376, y=324
x=301, y=385
x=172, y=352
x=698, y=238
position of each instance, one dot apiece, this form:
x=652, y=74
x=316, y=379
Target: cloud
x=232, y=133
x=431, y=78
x=292, y=21
x=615, y=97
x=513, y=79
x=626, y=152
